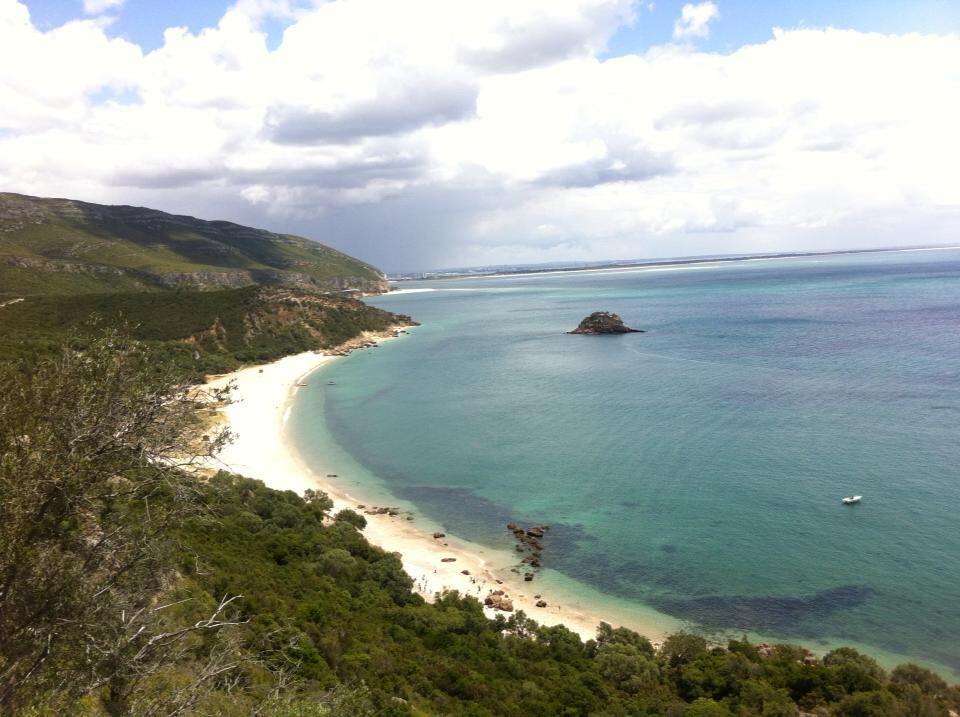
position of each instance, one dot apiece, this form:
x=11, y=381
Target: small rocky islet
x=604, y=322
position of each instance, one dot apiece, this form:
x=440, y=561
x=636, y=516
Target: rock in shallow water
x=604, y=322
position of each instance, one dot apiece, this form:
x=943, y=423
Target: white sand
x=260, y=406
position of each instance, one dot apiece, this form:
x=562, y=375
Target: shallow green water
x=696, y=468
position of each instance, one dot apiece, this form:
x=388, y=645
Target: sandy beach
x=257, y=416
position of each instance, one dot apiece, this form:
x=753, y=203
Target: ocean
x=694, y=471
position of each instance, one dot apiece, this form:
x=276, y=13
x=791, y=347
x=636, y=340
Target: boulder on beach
x=604, y=322
x=498, y=601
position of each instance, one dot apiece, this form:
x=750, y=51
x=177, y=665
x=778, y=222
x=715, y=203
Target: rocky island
x=604, y=322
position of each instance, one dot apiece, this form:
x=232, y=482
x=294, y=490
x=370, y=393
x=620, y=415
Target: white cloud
x=265, y=8
x=47, y=78
x=95, y=7
x=694, y=20
x=488, y=135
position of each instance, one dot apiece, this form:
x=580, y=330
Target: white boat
x=851, y=499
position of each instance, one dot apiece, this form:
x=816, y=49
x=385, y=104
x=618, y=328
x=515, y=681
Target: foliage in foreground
x=130, y=587
x=93, y=479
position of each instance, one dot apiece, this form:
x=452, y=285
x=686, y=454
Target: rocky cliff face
x=604, y=322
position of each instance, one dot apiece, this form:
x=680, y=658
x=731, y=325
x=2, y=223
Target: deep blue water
x=696, y=468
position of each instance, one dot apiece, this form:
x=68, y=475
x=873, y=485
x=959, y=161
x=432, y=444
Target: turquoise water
x=697, y=468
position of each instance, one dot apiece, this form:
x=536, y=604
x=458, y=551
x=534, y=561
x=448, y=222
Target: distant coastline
x=528, y=270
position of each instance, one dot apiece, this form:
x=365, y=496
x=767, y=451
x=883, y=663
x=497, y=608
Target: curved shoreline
x=261, y=403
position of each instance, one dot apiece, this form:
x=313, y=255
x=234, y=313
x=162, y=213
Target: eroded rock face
x=604, y=322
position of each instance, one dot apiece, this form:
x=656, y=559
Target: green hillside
x=201, y=332
x=64, y=246
x=208, y=296
x=132, y=587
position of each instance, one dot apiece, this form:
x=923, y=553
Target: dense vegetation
x=204, y=296
x=69, y=247
x=341, y=611
x=132, y=584
x=129, y=585
x=201, y=332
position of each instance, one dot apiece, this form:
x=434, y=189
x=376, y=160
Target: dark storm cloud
x=426, y=226
x=163, y=178
x=349, y=175
x=379, y=163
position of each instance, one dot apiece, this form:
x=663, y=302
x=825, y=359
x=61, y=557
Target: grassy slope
x=143, y=242
x=21, y=281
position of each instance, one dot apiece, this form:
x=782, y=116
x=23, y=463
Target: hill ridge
x=57, y=245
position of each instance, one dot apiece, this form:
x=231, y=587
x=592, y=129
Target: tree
x=682, y=648
x=867, y=704
x=318, y=499
x=352, y=517
x=705, y=707
x=929, y=682
x=607, y=635
x=627, y=667
x=853, y=671
x=95, y=453
x=760, y=698
x=921, y=691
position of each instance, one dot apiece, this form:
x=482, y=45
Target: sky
x=426, y=134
